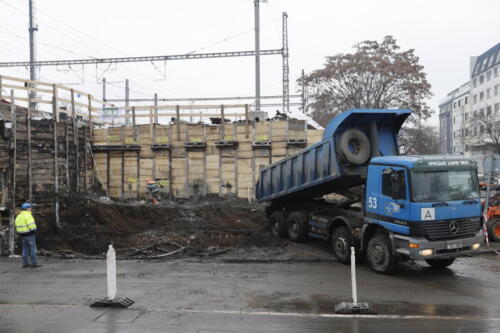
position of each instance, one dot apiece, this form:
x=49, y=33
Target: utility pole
x=286, y=70
x=127, y=111
x=32, y=28
x=257, y=55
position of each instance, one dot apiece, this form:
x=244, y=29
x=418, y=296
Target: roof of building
x=487, y=60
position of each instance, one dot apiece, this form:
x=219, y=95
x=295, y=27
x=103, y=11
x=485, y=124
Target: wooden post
x=108, y=172
x=66, y=138
x=178, y=122
x=138, y=174
x=222, y=122
x=56, y=170
x=205, y=177
x=170, y=180
x=134, y=127
x=77, y=160
x=86, y=158
x=91, y=130
x=13, y=117
x=156, y=108
x=28, y=124
x=247, y=121
x=122, y=176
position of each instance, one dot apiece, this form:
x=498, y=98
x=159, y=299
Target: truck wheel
x=494, y=229
x=440, y=263
x=297, y=226
x=277, y=222
x=341, y=243
x=355, y=146
x=379, y=254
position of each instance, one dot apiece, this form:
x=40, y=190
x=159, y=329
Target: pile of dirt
x=90, y=224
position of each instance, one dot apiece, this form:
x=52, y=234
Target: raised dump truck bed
x=338, y=161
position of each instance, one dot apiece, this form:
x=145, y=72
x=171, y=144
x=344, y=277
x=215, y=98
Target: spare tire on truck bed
x=354, y=146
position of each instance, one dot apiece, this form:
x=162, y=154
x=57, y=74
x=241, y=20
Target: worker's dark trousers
x=29, y=250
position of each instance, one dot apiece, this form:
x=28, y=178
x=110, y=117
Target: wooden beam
x=13, y=118
x=56, y=169
x=247, y=121
x=178, y=123
x=28, y=124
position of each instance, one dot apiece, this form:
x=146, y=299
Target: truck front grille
x=439, y=230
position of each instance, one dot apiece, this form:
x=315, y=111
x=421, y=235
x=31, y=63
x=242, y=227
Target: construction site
x=125, y=208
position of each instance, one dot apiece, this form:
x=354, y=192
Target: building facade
x=465, y=112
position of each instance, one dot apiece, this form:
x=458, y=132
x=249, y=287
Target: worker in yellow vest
x=26, y=228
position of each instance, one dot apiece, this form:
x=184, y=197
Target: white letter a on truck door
x=427, y=214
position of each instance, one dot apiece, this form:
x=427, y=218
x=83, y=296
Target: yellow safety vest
x=25, y=222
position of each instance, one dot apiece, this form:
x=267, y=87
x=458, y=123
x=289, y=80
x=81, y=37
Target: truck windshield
x=445, y=185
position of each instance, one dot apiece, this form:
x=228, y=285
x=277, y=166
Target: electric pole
x=257, y=55
x=32, y=28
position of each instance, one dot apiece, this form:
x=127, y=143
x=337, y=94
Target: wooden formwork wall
x=195, y=163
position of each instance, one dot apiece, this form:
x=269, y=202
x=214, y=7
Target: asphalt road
x=219, y=296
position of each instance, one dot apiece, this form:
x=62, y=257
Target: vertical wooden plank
x=247, y=122
x=134, y=127
x=14, y=168
x=77, y=160
x=178, y=122
x=222, y=123
x=122, y=175
x=108, y=172
x=86, y=159
x=170, y=180
x=91, y=130
x=28, y=124
x=56, y=170
x=138, y=175
x=186, y=183
x=205, y=178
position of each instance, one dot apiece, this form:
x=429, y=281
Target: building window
x=488, y=76
x=481, y=95
x=466, y=100
x=481, y=79
x=496, y=90
x=475, y=130
x=488, y=92
x=475, y=99
x=459, y=102
x=497, y=107
x=495, y=71
x=488, y=110
x=474, y=82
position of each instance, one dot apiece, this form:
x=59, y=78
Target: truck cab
x=429, y=206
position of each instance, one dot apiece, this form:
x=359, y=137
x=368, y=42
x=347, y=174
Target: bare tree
x=376, y=76
x=421, y=140
x=482, y=132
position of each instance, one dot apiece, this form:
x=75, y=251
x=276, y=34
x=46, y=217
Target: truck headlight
x=426, y=252
x=476, y=246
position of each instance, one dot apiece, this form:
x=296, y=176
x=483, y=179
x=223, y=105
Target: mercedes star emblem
x=453, y=227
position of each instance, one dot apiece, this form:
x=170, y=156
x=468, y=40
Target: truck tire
x=341, y=244
x=277, y=223
x=297, y=226
x=379, y=254
x=440, y=263
x=493, y=226
x=354, y=146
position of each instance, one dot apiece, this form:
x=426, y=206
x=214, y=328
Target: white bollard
x=353, y=277
x=111, y=263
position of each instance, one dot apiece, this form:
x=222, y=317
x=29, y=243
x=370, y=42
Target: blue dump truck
x=391, y=208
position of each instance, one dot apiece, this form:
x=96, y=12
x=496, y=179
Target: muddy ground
x=90, y=224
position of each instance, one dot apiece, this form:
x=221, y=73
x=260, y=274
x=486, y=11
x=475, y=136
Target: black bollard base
x=112, y=303
x=351, y=308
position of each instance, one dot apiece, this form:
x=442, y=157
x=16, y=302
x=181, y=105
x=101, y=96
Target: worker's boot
x=36, y=266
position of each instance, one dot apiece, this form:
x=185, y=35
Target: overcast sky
x=444, y=33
